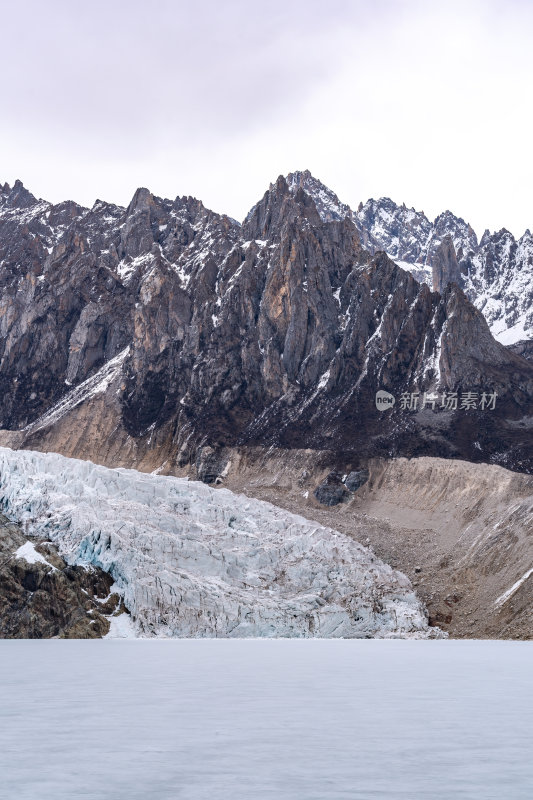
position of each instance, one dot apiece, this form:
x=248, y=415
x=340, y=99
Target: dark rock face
x=354, y=480
x=44, y=600
x=201, y=334
x=210, y=464
x=335, y=489
x=445, y=266
x=331, y=491
x=63, y=312
x=523, y=348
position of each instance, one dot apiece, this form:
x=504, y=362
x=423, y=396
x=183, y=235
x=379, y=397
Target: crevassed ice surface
x=191, y=560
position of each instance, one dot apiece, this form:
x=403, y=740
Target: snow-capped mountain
x=496, y=273
x=500, y=278
x=138, y=335
x=194, y=561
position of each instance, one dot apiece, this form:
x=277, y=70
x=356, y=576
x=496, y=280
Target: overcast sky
x=425, y=102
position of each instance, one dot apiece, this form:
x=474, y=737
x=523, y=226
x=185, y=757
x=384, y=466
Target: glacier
x=195, y=561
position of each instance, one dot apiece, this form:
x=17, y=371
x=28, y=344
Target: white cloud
x=424, y=102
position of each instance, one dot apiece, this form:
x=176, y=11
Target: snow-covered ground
x=191, y=560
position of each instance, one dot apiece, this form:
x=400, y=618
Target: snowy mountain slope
x=496, y=272
x=500, y=277
x=194, y=561
x=327, y=203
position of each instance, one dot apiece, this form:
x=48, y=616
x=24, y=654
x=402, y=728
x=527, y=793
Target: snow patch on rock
x=93, y=386
x=28, y=552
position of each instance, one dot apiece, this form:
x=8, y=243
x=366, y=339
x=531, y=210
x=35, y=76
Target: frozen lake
x=251, y=719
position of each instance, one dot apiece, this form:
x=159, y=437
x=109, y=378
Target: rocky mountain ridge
x=495, y=272
x=159, y=329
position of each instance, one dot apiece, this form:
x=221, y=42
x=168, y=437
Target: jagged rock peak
x=446, y=269
x=326, y=201
x=485, y=238
x=18, y=196
x=279, y=205
x=142, y=199
x=103, y=205
x=503, y=233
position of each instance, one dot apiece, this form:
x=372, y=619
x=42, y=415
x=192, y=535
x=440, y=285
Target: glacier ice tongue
x=195, y=561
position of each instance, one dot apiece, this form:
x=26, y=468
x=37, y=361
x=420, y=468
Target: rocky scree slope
x=461, y=532
x=136, y=336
